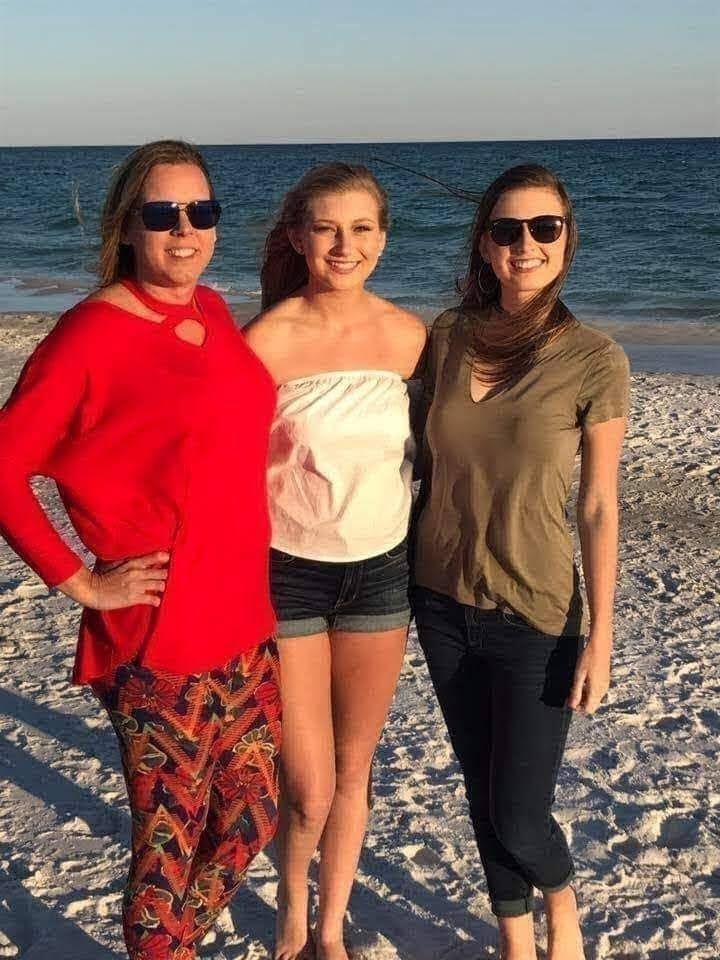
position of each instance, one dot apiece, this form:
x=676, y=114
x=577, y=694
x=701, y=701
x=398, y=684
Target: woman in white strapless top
x=340, y=470
x=340, y=465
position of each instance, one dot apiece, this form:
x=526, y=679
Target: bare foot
x=291, y=929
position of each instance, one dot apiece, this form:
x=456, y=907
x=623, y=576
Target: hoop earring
x=494, y=282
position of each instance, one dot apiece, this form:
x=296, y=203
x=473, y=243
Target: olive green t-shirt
x=492, y=530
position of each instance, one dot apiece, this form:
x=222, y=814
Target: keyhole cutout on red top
x=191, y=331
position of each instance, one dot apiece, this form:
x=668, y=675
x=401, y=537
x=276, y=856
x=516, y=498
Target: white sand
x=639, y=793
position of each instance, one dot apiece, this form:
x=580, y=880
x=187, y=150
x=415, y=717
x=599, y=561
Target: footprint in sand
x=710, y=719
x=673, y=723
x=679, y=833
x=627, y=847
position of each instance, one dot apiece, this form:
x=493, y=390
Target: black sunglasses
x=165, y=214
x=544, y=229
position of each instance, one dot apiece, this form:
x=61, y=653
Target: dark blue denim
x=358, y=596
x=502, y=688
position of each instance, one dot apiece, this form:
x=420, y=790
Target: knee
x=478, y=794
x=352, y=775
x=520, y=831
x=145, y=895
x=309, y=809
x=479, y=810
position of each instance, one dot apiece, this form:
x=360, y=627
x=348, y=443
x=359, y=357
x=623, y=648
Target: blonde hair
x=284, y=270
x=117, y=258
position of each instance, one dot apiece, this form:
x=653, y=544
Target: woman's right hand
x=140, y=580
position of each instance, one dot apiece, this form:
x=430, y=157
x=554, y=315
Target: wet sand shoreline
x=683, y=347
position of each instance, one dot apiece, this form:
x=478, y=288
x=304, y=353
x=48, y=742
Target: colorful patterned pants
x=199, y=754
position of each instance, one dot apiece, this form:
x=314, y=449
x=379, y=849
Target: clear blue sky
x=232, y=71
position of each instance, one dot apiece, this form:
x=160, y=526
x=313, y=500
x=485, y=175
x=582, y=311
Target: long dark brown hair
x=503, y=352
x=284, y=270
x=117, y=259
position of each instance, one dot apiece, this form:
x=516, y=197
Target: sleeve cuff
x=57, y=573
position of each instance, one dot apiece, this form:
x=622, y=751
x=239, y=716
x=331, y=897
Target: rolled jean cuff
x=371, y=622
x=512, y=908
x=305, y=627
x=523, y=905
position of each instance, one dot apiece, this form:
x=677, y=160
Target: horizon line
x=322, y=143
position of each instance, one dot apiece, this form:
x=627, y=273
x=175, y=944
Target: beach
x=638, y=793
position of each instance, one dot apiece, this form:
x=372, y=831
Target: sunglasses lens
x=546, y=229
x=159, y=215
x=506, y=231
x=204, y=214
x=543, y=229
x=165, y=214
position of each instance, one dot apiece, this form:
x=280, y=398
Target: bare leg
x=564, y=936
x=307, y=780
x=365, y=670
x=517, y=938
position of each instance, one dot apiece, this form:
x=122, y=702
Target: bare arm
x=414, y=338
x=268, y=339
x=597, y=515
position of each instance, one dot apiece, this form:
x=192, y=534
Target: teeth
x=526, y=264
x=344, y=266
x=181, y=252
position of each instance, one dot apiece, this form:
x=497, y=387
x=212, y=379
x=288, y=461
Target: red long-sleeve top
x=154, y=444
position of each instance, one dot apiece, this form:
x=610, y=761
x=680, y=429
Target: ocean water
x=647, y=214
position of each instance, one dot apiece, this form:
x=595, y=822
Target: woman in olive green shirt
x=515, y=386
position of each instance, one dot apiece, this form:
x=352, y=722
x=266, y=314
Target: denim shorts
x=358, y=596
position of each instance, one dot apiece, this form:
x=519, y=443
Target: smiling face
x=526, y=266
x=171, y=258
x=341, y=240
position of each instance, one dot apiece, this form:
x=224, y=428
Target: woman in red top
x=152, y=415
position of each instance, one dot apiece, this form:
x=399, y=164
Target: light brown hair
x=502, y=357
x=284, y=270
x=117, y=259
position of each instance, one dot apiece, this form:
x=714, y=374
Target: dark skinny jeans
x=502, y=688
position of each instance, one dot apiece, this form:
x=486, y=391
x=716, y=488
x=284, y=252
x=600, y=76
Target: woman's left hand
x=592, y=676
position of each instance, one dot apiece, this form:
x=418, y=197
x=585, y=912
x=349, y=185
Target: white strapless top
x=340, y=469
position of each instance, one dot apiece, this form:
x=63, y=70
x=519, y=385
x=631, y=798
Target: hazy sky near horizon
x=233, y=71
